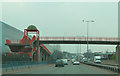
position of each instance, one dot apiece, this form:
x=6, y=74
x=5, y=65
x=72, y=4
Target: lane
x=69, y=69
x=86, y=69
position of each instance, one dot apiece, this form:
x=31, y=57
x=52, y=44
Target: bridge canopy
x=31, y=27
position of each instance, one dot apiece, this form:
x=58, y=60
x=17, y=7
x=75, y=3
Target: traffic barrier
x=107, y=67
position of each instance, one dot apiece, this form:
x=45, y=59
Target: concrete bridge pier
x=118, y=55
x=37, y=52
x=45, y=57
x=48, y=59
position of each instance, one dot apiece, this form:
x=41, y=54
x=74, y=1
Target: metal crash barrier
x=108, y=67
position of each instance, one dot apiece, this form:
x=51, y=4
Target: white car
x=76, y=63
x=97, y=59
x=84, y=59
x=65, y=62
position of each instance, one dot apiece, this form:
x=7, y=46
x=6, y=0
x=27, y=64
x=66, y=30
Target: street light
x=88, y=21
x=80, y=50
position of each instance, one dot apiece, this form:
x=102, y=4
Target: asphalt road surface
x=69, y=69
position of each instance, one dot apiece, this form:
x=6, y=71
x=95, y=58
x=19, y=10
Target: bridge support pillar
x=48, y=59
x=37, y=52
x=118, y=55
x=45, y=57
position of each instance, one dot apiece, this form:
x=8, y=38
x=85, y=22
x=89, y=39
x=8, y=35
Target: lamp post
x=87, y=21
x=80, y=50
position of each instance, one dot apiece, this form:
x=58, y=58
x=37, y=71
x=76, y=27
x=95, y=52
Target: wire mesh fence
x=15, y=65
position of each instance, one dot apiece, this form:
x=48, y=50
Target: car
x=84, y=59
x=68, y=59
x=76, y=63
x=59, y=63
x=65, y=61
x=97, y=59
x=72, y=60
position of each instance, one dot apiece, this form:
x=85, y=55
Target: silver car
x=76, y=63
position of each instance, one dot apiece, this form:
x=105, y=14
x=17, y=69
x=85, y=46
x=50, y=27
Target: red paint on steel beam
x=74, y=38
x=79, y=38
x=63, y=38
x=46, y=49
x=91, y=38
x=100, y=39
x=8, y=41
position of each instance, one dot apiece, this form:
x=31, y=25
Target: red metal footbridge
x=26, y=44
x=80, y=40
x=114, y=39
x=72, y=40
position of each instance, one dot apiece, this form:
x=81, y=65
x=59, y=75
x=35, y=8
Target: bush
x=113, y=57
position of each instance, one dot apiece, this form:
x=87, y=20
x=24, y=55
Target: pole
x=87, y=38
x=87, y=35
x=80, y=50
x=77, y=49
x=77, y=52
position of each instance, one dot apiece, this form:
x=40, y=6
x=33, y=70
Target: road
x=69, y=69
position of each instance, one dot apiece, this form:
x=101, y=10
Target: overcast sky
x=65, y=19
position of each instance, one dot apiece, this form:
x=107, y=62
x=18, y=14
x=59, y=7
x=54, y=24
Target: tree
x=57, y=47
x=113, y=57
x=58, y=54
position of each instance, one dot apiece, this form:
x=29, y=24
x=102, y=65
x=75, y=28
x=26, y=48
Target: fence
x=15, y=65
